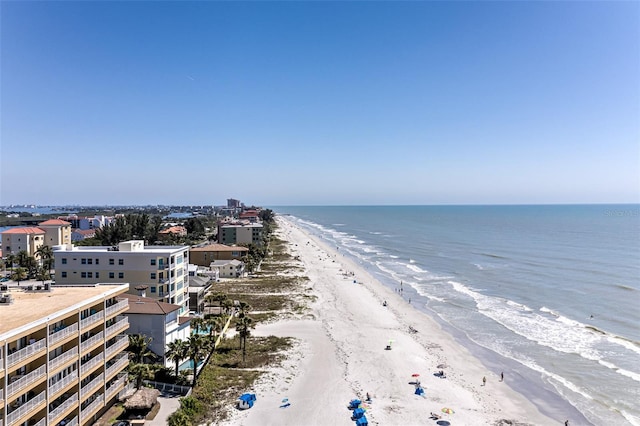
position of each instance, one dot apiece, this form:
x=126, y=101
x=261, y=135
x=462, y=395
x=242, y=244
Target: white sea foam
x=560, y=334
x=393, y=256
x=416, y=268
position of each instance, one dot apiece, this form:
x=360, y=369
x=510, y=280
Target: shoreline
x=340, y=355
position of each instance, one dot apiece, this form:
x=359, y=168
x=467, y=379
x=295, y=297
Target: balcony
x=92, y=363
x=91, y=386
x=42, y=422
x=63, y=358
x=92, y=319
x=72, y=422
x=92, y=408
x=57, y=336
x=26, y=408
x=120, y=306
x=63, y=383
x=120, y=325
x=116, y=367
x=62, y=408
x=92, y=341
x=26, y=352
x=115, y=387
x=119, y=346
x=24, y=381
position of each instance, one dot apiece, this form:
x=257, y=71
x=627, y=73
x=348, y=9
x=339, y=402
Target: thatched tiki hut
x=142, y=400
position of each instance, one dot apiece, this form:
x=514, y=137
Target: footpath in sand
x=340, y=355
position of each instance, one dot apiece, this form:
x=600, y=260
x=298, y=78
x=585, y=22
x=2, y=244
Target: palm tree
x=139, y=347
x=197, y=324
x=211, y=298
x=11, y=259
x=243, y=326
x=22, y=258
x=177, y=351
x=43, y=274
x=197, y=350
x=19, y=274
x=45, y=253
x=140, y=372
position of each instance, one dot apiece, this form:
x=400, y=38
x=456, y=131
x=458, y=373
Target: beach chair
x=362, y=421
x=357, y=413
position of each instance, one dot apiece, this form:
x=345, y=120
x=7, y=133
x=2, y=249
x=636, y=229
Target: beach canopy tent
x=354, y=403
x=419, y=391
x=362, y=421
x=357, y=413
x=246, y=400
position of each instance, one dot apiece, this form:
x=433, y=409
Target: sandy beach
x=340, y=354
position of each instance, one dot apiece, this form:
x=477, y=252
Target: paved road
x=168, y=405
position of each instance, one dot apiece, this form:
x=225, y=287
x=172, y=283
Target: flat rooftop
x=31, y=306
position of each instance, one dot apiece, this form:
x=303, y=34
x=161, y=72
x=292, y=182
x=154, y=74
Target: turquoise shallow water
x=550, y=294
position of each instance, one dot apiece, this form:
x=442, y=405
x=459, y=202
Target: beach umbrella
x=415, y=375
x=447, y=410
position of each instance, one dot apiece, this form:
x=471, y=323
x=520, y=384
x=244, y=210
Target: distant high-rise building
x=233, y=204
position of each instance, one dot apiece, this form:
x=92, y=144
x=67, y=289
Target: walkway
x=168, y=405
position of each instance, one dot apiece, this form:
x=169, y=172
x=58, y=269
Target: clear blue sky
x=286, y=103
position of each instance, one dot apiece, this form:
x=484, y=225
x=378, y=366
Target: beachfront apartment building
x=62, y=354
x=204, y=255
x=30, y=238
x=163, y=269
x=240, y=233
x=158, y=320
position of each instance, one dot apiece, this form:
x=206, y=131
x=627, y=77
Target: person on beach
x=484, y=381
x=566, y=423
x=502, y=376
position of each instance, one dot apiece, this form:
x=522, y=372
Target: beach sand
x=340, y=354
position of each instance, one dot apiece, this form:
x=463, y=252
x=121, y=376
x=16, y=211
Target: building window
x=90, y=261
x=83, y=275
x=120, y=274
x=89, y=274
x=120, y=261
x=97, y=274
x=112, y=275
x=64, y=274
x=153, y=275
x=97, y=261
x=83, y=261
x=153, y=262
x=111, y=261
x=64, y=261
x=153, y=289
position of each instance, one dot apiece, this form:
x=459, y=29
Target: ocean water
x=548, y=294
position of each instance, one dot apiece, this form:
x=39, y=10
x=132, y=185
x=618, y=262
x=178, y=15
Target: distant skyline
x=319, y=103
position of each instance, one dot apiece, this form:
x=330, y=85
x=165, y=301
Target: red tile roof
x=24, y=230
x=54, y=222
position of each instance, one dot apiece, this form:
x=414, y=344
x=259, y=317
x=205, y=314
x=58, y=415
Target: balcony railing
x=92, y=341
x=63, y=407
x=91, y=319
x=1, y=397
x=118, y=365
x=86, y=390
x=92, y=363
x=118, y=346
x=24, y=381
x=115, y=386
x=117, y=307
x=26, y=352
x=64, y=382
x=63, y=358
x=26, y=408
x=42, y=422
x=72, y=422
x=63, y=334
x=118, y=326
x=89, y=409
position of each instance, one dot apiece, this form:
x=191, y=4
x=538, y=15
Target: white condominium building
x=163, y=269
x=62, y=354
